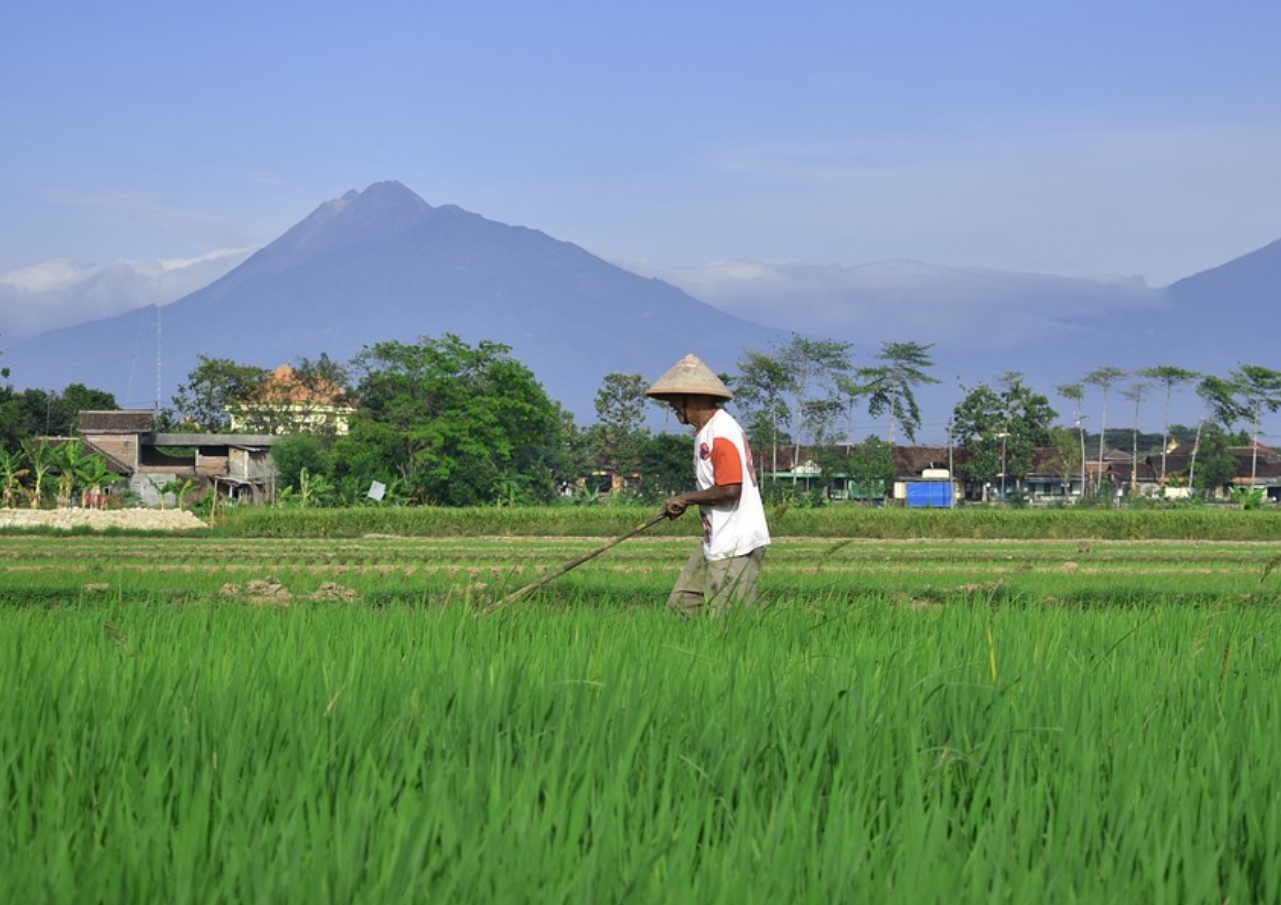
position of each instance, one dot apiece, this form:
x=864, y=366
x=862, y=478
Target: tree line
x=444, y=422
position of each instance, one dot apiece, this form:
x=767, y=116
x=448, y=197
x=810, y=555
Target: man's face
x=680, y=405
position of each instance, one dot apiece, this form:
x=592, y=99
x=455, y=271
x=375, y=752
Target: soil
x=138, y=519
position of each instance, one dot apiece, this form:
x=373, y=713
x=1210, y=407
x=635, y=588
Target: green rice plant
x=829, y=747
x=832, y=522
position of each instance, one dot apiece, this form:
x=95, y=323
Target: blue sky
x=1077, y=138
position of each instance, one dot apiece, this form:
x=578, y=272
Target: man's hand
x=675, y=507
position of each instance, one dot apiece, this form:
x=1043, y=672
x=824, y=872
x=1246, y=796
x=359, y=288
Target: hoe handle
x=515, y=595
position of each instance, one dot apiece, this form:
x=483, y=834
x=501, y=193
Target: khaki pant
x=716, y=586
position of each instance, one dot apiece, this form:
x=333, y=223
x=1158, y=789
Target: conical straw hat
x=689, y=377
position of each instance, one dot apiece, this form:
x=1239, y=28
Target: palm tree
x=1261, y=389
x=762, y=386
x=1076, y=393
x=1169, y=377
x=811, y=365
x=888, y=387
x=1103, y=378
x=1136, y=392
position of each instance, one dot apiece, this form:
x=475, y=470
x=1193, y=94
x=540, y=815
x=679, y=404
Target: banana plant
x=67, y=461
x=313, y=489
x=11, y=475
x=40, y=458
x=179, y=487
x=92, y=474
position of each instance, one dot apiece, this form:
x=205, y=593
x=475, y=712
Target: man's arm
x=717, y=493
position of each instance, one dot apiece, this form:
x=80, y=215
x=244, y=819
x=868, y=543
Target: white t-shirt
x=722, y=456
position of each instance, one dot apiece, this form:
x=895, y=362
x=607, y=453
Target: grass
x=906, y=721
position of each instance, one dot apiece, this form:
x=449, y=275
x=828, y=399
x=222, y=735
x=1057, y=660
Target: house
x=914, y=468
x=284, y=404
x=235, y=466
x=1257, y=466
x=935, y=476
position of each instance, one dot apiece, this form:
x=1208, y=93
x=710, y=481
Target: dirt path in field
x=138, y=519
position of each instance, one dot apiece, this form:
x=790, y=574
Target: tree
x=323, y=375
x=1076, y=393
x=1000, y=431
x=11, y=429
x=1136, y=392
x=77, y=398
x=44, y=413
x=10, y=432
x=298, y=398
x=1069, y=458
x=1217, y=402
x=665, y=466
x=870, y=468
x=212, y=387
x=1217, y=464
x=1260, y=390
x=813, y=366
x=978, y=421
x=296, y=453
x=463, y=425
x=620, y=428
x=1103, y=378
x=761, y=390
x=889, y=387
x=39, y=413
x=1167, y=376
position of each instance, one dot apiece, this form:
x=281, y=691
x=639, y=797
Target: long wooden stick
x=515, y=595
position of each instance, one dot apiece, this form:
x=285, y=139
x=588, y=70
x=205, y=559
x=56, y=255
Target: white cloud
x=61, y=293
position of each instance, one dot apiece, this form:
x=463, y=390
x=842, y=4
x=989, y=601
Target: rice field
x=227, y=719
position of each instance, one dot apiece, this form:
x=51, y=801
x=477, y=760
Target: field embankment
x=69, y=519
x=608, y=521
x=835, y=521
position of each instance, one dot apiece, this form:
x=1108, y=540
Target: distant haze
x=61, y=293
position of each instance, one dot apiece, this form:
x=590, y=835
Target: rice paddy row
x=442, y=570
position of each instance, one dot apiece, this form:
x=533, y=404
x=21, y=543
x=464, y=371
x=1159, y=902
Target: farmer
x=723, y=572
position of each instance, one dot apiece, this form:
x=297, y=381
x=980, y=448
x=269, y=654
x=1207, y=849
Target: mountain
x=1251, y=284
x=1052, y=329
x=383, y=264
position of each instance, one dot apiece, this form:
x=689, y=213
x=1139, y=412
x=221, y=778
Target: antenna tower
x=159, y=346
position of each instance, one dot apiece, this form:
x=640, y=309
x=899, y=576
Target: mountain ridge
x=384, y=264
x=352, y=274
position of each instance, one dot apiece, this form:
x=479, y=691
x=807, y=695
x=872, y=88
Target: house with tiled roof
x=285, y=404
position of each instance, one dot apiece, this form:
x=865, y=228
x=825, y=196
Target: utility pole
x=951, y=470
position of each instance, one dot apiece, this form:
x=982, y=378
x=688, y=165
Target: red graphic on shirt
x=704, y=451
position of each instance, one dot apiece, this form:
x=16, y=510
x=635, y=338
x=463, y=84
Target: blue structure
x=929, y=494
